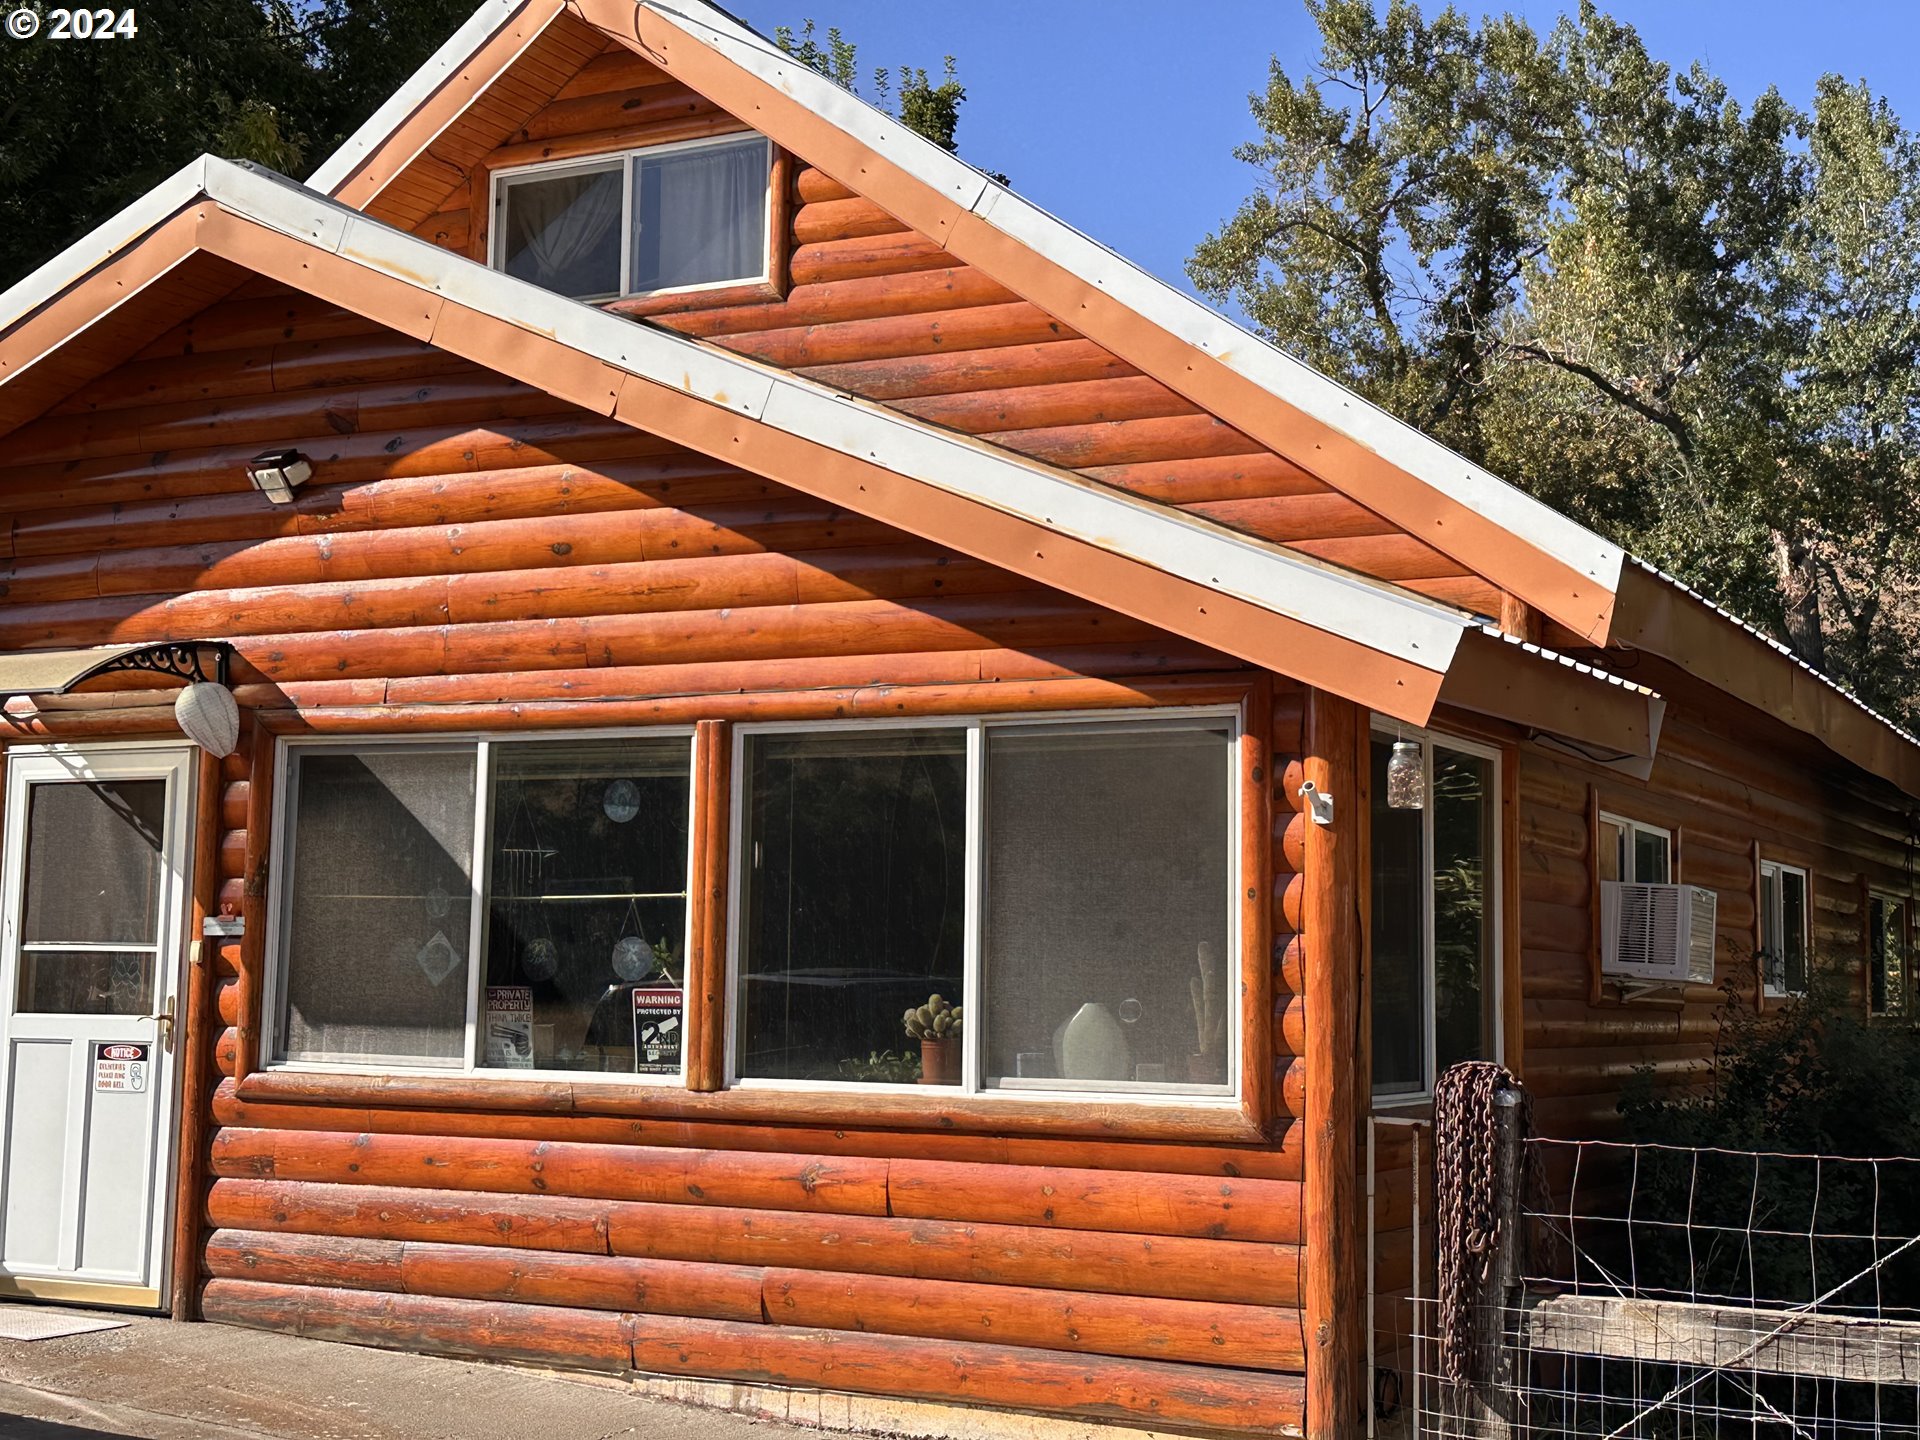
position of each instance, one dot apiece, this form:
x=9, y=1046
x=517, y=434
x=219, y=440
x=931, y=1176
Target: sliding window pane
x=379, y=909
x=587, y=906
x=1463, y=919
x=1793, y=931
x=1107, y=928
x=1652, y=857
x=855, y=893
x=1399, y=942
x=700, y=215
x=561, y=230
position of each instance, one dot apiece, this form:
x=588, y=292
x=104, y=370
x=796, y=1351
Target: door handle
x=165, y=1021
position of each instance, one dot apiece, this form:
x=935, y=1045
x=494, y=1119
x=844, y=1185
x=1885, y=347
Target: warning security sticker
x=120, y=1065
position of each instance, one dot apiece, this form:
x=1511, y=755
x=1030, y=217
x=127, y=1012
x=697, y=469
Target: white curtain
x=563, y=233
x=701, y=216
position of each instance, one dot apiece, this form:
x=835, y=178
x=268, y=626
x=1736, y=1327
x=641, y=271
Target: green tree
x=87, y=127
x=928, y=109
x=1688, y=322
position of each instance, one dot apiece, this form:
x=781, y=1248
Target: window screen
x=378, y=915
x=700, y=215
x=94, y=885
x=855, y=897
x=1106, y=927
x=587, y=906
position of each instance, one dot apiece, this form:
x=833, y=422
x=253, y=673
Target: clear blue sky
x=1120, y=115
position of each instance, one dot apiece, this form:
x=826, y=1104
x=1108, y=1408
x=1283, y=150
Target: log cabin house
x=673, y=570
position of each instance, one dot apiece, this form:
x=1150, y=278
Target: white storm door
x=96, y=854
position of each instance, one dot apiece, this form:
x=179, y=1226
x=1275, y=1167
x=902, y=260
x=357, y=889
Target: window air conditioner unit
x=1657, y=934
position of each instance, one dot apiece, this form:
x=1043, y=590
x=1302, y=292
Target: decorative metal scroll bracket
x=181, y=660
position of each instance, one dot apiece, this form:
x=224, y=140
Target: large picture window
x=1435, y=940
x=670, y=217
x=1069, y=885
x=488, y=905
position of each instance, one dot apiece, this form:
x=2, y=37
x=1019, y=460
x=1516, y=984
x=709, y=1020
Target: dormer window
x=692, y=216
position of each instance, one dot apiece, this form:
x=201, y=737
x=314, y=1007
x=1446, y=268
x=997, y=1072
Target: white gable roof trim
x=1174, y=311
x=1390, y=621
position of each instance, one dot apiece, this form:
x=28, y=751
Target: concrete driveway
x=162, y=1381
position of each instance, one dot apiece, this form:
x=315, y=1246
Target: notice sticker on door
x=119, y=1065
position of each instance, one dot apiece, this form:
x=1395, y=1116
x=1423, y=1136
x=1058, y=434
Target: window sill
x=1227, y=1124
x=717, y=297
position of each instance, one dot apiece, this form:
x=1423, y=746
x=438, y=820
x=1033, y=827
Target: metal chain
x=1466, y=1139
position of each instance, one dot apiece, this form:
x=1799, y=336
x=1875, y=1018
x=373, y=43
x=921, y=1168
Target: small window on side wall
x=671, y=217
x=1886, y=955
x=1635, y=852
x=1784, y=928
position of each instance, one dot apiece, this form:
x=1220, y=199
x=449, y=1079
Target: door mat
x=19, y=1323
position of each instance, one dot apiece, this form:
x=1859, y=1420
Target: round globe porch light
x=210, y=716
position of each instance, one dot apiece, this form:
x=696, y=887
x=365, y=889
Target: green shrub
x=1807, y=1079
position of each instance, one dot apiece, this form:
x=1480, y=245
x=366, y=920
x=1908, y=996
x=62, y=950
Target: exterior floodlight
x=210, y=716
x=278, y=473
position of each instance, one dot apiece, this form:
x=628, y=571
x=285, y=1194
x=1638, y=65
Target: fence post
x=1492, y=1399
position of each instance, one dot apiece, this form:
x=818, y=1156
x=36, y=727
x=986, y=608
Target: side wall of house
x=1735, y=787
x=472, y=554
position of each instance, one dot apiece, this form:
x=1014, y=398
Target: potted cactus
x=936, y=1025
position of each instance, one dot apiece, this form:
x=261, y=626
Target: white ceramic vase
x=1094, y=1047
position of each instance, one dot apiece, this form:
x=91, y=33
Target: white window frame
x=279, y=898
x=502, y=180
x=1775, y=915
x=1888, y=900
x=1386, y=728
x=1631, y=829
x=971, y=1087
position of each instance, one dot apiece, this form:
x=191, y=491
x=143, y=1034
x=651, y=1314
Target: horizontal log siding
x=467, y=543
x=1725, y=781
x=871, y=307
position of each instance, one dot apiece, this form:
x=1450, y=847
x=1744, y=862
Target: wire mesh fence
x=1680, y=1292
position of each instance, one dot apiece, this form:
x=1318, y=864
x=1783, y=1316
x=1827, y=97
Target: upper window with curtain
x=671, y=217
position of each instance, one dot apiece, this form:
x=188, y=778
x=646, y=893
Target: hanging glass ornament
x=541, y=960
x=622, y=801
x=1406, y=778
x=632, y=959
x=632, y=955
x=438, y=903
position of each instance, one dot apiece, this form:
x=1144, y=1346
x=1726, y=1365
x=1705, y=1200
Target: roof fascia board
x=416, y=114
x=1556, y=696
x=1272, y=608
x=1660, y=615
x=105, y=241
x=1546, y=559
